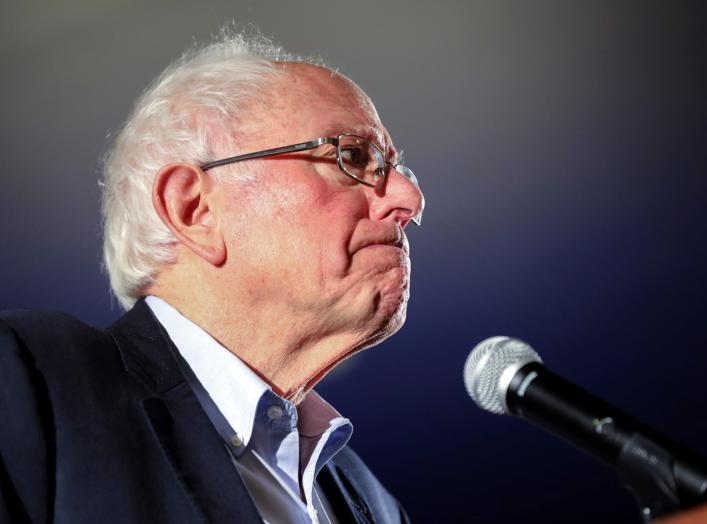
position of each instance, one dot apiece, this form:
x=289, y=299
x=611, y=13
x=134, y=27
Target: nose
x=398, y=199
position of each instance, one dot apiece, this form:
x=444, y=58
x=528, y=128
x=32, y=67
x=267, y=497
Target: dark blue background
x=562, y=150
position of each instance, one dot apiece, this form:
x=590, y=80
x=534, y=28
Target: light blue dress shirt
x=277, y=447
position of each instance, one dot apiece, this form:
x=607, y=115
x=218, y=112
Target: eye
x=355, y=156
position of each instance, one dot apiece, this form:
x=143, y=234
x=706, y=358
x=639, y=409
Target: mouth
x=386, y=250
x=394, y=238
x=397, y=247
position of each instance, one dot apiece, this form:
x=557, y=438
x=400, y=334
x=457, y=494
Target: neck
x=291, y=351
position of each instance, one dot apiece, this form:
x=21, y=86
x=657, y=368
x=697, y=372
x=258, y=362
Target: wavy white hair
x=188, y=112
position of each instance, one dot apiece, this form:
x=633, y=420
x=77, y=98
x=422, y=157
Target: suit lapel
x=194, y=449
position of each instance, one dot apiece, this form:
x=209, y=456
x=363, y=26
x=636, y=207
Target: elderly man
x=254, y=208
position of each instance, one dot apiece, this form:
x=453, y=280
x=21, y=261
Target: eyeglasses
x=356, y=157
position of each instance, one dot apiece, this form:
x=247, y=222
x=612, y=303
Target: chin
x=380, y=307
x=396, y=321
x=391, y=312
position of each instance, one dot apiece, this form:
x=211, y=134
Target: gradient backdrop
x=562, y=149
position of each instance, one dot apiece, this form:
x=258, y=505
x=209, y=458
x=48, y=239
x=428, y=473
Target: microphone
x=506, y=376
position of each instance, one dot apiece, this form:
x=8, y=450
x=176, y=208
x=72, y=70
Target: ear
x=180, y=196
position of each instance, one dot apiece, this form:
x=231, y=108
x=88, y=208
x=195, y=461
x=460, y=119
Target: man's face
x=306, y=237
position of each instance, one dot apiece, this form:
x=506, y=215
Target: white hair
x=190, y=111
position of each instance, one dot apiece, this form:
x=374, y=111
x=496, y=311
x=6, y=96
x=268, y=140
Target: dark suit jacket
x=101, y=426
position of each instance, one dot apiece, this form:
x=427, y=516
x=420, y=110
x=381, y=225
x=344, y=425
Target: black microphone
x=506, y=376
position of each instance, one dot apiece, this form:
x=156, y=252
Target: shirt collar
x=236, y=389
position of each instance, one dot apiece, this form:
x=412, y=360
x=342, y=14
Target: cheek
x=323, y=223
x=296, y=227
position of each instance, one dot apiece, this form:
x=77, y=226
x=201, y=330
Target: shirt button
x=236, y=440
x=274, y=412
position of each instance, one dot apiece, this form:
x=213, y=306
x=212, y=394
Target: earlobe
x=180, y=196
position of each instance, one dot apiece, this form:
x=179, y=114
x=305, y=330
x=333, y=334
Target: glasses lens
x=361, y=159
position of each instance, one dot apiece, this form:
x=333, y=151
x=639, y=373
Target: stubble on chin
x=390, y=305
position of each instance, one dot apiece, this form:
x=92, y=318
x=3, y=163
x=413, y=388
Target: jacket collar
x=198, y=455
x=146, y=349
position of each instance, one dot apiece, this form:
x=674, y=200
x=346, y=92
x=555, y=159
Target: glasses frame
x=312, y=144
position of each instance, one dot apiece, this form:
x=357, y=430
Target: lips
x=383, y=244
x=393, y=237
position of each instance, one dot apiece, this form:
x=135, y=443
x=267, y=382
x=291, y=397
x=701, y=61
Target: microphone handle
x=664, y=475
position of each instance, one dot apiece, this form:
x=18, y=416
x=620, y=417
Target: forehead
x=311, y=101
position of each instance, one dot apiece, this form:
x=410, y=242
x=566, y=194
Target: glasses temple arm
x=303, y=146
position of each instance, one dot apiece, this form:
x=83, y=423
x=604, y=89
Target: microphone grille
x=490, y=367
